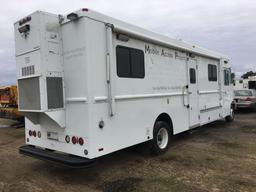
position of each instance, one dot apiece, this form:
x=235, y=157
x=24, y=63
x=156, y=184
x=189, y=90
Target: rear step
x=65, y=160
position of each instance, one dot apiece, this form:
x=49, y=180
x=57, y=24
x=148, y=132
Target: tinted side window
x=130, y=62
x=137, y=63
x=123, y=62
x=252, y=85
x=192, y=73
x=212, y=72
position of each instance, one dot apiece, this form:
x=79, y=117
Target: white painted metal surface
x=109, y=112
x=193, y=96
x=244, y=83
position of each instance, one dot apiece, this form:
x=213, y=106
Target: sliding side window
x=130, y=62
x=212, y=72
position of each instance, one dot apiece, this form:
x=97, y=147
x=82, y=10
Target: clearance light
x=122, y=37
x=74, y=140
x=85, y=9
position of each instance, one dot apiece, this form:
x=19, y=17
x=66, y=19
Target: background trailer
x=90, y=85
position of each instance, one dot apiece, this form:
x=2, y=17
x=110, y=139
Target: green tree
x=247, y=74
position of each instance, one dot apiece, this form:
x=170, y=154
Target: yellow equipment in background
x=9, y=103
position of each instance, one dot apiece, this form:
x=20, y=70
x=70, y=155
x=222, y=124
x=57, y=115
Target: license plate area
x=53, y=136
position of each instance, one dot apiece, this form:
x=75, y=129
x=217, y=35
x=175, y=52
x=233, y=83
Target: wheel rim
x=232, y=114
x=162, y=138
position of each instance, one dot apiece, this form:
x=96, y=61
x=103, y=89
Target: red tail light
x=74, y=140
x=81, y=141
x=34, y=133
x=248, y=99
x=30, y=133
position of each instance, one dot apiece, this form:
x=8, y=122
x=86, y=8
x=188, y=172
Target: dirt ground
x=216, y=157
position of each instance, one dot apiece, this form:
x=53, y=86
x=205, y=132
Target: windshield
x=4, y=92
x=243, y=93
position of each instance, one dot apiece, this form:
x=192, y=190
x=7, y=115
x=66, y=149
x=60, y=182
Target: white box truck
x=90, y=85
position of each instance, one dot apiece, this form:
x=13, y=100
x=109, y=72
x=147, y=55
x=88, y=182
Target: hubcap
x=232, y=113
x=162, y=138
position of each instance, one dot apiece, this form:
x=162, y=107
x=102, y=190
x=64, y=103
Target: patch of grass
x=248, y=129
x=232, y=145
x=184, y=160
x=234, y=184
x=162, y=184
x=167, y=184
x=243, y=182
x=122, y=185
x=188, y=159
x=2, y=186
x=197, y=161
x=180, y=158
x=16, y=133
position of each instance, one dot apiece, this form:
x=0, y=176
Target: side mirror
x=233, y=78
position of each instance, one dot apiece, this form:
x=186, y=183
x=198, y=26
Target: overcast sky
x=226, y=26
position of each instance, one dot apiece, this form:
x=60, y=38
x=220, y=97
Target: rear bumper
x=61, y=159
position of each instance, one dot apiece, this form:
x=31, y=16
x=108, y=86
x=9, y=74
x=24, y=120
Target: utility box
x=39, y=66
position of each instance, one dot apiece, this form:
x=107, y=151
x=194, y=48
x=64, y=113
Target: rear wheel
x=230, y=117
x=161, y=138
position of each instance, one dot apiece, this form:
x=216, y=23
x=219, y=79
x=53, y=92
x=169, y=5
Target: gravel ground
x=217, y=157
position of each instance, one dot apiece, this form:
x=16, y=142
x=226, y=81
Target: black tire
x=157, y=146
x=254, y=108
x=230, y=118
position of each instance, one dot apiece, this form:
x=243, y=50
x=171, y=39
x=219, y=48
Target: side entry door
x=193, y=93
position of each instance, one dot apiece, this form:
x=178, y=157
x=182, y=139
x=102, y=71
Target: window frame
x=132, y=51
x=212, y=73
x=226, y=79
x=192, y=78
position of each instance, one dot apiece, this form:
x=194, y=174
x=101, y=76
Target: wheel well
x=166, y=118
x=233, y=105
